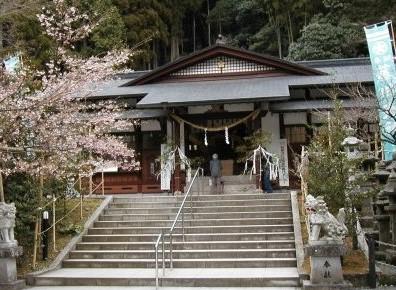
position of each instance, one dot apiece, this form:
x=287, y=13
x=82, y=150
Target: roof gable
x=222, y=61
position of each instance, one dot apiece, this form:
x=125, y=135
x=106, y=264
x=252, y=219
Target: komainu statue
x=324, y=226
x=7, y=224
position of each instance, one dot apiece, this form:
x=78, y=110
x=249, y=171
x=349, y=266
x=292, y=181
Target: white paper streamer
x=206, y=138
x=271, y=161
x=170, y=163
x=227, y=140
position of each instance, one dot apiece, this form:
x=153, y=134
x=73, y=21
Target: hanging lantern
x=227, y=140
x=206, y=138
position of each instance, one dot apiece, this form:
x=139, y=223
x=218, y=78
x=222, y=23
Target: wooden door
x=150, y=167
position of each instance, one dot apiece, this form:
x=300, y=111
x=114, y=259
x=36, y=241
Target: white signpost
x=166, y=170
x=283, y=163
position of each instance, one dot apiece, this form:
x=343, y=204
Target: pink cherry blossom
x=48, y=123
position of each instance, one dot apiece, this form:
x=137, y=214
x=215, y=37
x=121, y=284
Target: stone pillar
x=382, y=218
x=326, y=270
x=9, y=248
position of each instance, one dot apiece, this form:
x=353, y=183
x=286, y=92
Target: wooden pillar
x=169, y=132
x=139, y=155
x=90, y=183
x=102, y=182
x=309, y=127
x=282, y=130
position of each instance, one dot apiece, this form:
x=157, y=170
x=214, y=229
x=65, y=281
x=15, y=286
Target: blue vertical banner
x=384, y=72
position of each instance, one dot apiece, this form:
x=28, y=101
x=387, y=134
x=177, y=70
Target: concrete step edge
x=194, y=227
x=190, y=242
x=185, y=251
x=200, y=220
x=183, y=260
x=203, y=213
x=190, y=234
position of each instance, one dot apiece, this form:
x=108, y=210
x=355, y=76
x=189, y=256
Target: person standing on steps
x=215, y=174
x=265, y=173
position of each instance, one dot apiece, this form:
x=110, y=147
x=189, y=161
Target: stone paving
x=179, y=288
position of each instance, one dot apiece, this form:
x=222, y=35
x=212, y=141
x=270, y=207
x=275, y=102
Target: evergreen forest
x=164, y=30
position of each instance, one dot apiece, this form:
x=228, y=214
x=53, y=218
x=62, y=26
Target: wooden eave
x=161, y=73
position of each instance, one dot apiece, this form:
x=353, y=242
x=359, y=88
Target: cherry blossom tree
x=48, y=123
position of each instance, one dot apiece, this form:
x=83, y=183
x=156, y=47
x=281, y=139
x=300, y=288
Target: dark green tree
x=110, y=33
x=323, y=39
x=144, y=19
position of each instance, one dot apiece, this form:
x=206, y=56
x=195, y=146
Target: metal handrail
x=180, y=211
x=161, y=236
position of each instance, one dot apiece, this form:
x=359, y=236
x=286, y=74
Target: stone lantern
x=351, y=145
x=382, y=218
x=381, y=173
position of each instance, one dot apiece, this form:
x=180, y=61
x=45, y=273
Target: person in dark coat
x=215, y=173
x=265, y=173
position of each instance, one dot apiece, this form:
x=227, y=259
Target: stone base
x=325, y=262
x=15, y=285
x=307, y=285
x=390, y=256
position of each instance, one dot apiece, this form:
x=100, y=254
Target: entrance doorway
x=200, y=154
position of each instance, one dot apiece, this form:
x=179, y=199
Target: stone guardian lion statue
x=7, y=225
x=324, y=226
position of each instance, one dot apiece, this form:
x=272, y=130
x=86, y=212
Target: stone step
x=236, y=179
x=153, y=287
x=201, y=203
x=182, y=263
x=267, y=236
x=210, y=215
x=195, y=222
x=219, y=208
x=195, y=196
x=184, y=254
x=227, y=278
x=249, y=244
x=193, y=229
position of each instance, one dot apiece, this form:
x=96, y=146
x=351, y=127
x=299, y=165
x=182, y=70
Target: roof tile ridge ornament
x=221, y=39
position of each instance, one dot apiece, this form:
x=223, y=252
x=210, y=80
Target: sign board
x=166, y=169
x=384, y=73
x=283, y=163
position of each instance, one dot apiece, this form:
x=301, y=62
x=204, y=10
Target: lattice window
x=296, y=134
x=222, y=65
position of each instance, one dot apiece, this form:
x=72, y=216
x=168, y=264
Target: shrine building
x=210, y=100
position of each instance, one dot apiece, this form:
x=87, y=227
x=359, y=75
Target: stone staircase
x=237, y=239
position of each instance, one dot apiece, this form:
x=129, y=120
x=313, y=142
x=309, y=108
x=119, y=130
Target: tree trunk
x=278, y=36
x=1, y=35
x=194, y=35
x=174, y=47
x=2, y=199
x=291, y=40
x=354, y=233
x=209, y=28
x=155, y=56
